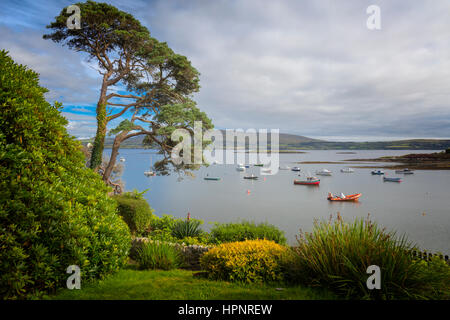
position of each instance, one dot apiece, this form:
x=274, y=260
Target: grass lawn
x=130, y=283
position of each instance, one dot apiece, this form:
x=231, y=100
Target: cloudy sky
x=305, y=67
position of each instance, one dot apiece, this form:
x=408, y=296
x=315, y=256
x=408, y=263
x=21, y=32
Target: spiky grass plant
x=336, y=254
x=186, y=228
x=158, y=255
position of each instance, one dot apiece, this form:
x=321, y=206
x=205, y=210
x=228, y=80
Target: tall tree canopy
x=152, y=73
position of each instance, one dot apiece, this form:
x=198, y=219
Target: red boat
x=351, y=197
x=310, y=181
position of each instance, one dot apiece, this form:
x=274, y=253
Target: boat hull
x=214, y=179
x=392, y=179
x=352, y=197
x=307, y=183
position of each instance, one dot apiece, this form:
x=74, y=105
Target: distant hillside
x=295, y=142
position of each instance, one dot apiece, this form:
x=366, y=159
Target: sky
x=309, y=67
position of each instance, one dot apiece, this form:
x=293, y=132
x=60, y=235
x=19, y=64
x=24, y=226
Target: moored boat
x=212, y=178
x=342, y=197
x=285, y=168
x=377, y=172
x=347, y=170
x=258, y=165
x=122, y=159
x=240, y=168
x=310, y=181
x=324, y=172
x=295, y=169
x=405, y=171
x=251, y=177
x=392, y=179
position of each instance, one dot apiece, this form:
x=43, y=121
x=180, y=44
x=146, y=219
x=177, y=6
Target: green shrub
x=157, y=255
x=337, y=254
x=245, y=230
x=186, y=228
x=54, y=212
x=246, y=261
x=135, y=211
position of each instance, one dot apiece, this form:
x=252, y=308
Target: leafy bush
x=158, y=255
x=54, y=212
x=245, y=230
x=246, y=261
x=337, y=254
x=135, y=210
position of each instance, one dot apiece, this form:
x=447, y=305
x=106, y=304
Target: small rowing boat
x=405, y=171
x=258, y=165
x=342, y=197
x=377, y=172
x=392, y=179
x=251, y=177
x=310, y=181
x=347, y=170
x=212, y=178
x=295, y=169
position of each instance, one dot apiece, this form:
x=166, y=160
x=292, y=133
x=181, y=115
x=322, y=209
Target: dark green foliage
x=336, y=255
x=158, y=255
x=54, y=212
x=186, y=228
x=135, y=210
x=245, y=230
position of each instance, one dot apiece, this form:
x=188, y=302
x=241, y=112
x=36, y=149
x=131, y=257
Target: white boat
x=324, y=172
x=266, y=170
x=347, y=170
x=149, y=173
x=295, y=169
x=285, y=168
x=240, y=168
x=122, y=159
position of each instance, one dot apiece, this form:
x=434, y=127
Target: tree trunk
x=99, y=143
x=114, y=152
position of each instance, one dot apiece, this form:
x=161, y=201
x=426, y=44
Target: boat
x=310, y=181
x=342, y=197
x=347, y=170
x=259, y=164
x=122, y=159
x=211, y=178
x=392, y=179
x=240, y=168
x=251, y=177
x=266, y=170
x=295, y=169
x=324, y=172
x=378, y=172
x=247, y=166
x=405, y=171
x=285, y=168
x=149, y=173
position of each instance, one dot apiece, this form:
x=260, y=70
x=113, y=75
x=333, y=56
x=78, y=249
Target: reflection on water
x=275, y=199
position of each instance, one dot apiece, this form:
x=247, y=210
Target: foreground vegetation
x=132, y=284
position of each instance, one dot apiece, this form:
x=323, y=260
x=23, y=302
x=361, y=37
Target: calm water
x=419, y=206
